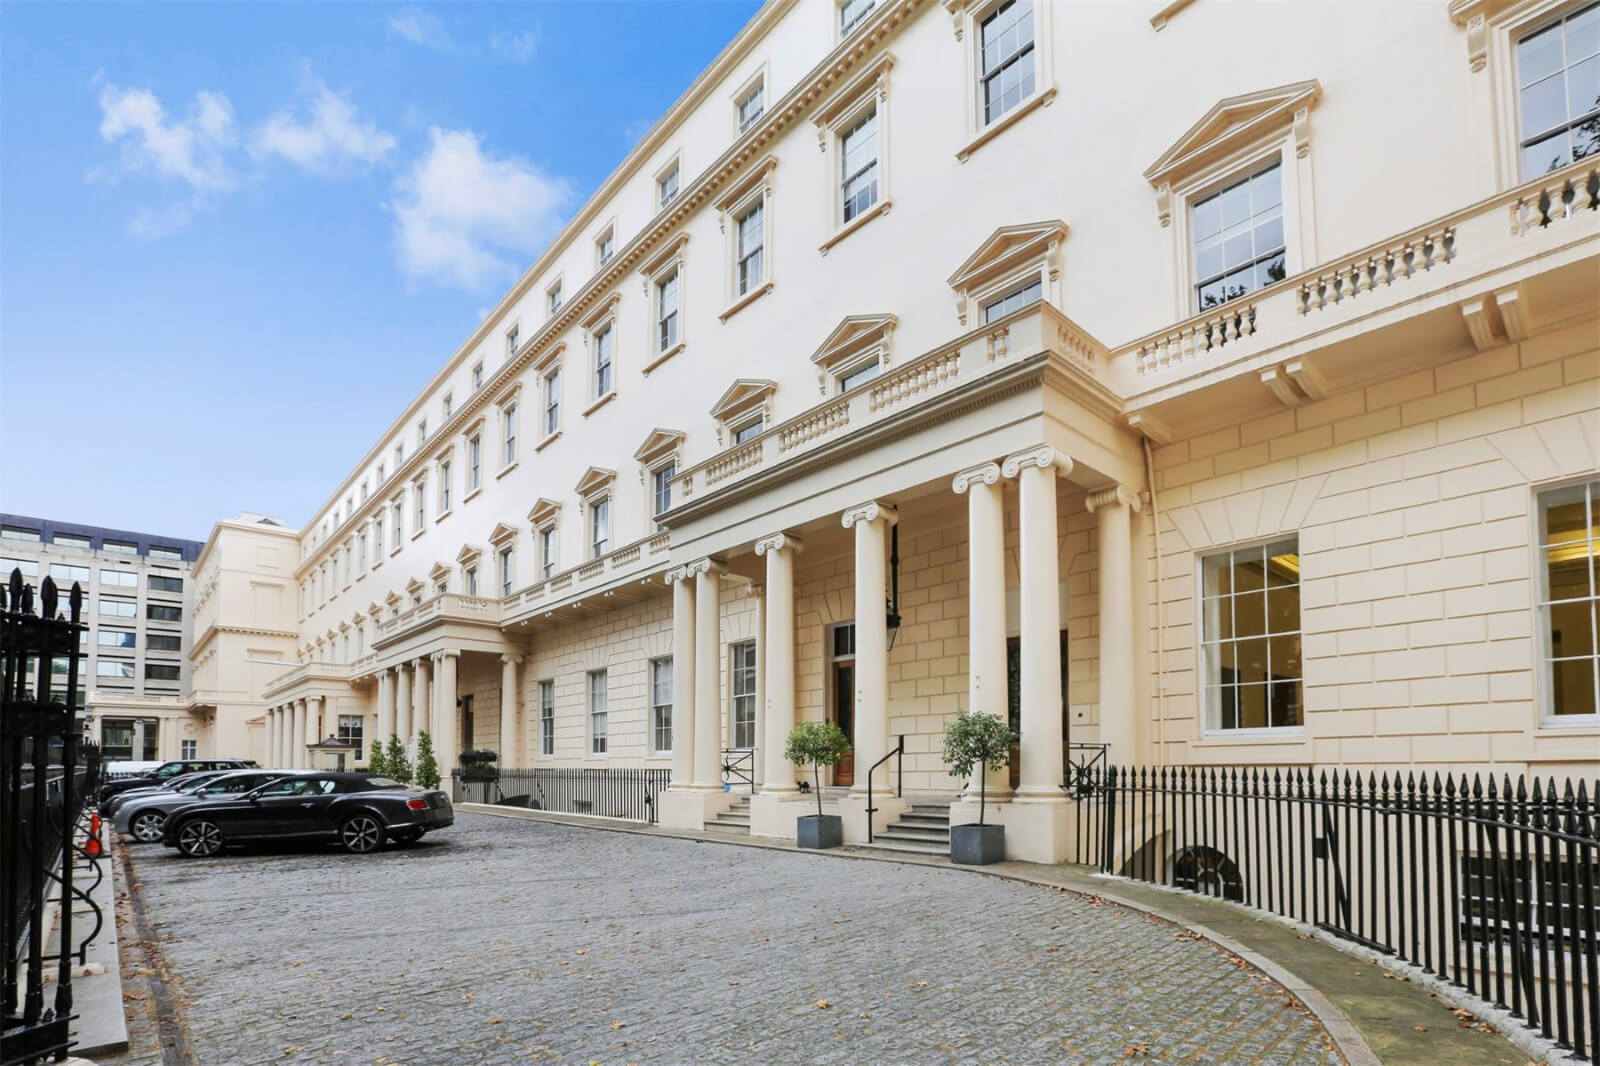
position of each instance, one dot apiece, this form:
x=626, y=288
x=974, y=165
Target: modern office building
x=137, y=601
x=1219, y=386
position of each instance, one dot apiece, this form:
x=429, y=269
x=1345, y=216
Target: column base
x=853, y=809
x=690, y=808
x=774, y=814
x=1036, y=831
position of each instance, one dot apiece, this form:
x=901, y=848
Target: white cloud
x=517, y=47
x=329, y=139
x=420, y=27
x=463, y=216
x=191, y=150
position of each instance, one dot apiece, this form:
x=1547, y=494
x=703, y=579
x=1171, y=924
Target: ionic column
x=272, y=737
x=285, y=734
x=758, y=770
x=297, y=751
x=707, y=674
x=402, y=704
x=422, y=704
x=1112, y=509
x=314, y=716
x=871, y=522
x=987, y=690
x=1043, y=768
x=447, y=741
x=510, y=712
x=778, y=651
x=385, y=706
x=683, y=691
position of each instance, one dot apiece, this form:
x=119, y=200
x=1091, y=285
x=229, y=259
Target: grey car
x=144, y=817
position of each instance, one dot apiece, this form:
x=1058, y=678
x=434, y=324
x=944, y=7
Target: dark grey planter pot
x=819, y=830
x=977, y=845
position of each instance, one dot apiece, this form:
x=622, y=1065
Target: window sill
x=505, y=470
x=880, y=208
x=440, y=517
x=745, y=301
x=551, y=439
x=601, y=402
x=1004, y=122
x=469, y=496
x=419, y=533
x=663, y=357
x=377, y=562
x=1221, y=739
x=395, y=550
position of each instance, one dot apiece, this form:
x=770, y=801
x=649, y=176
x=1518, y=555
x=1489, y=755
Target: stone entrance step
x=924, y=829
x=736, y=819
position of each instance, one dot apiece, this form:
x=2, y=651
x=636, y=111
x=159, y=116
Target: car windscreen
x=232, y=783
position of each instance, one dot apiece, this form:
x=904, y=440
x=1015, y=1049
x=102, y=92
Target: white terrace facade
x=1260, y=430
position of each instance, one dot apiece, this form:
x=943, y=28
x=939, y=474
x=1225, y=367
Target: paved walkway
x=513, y=940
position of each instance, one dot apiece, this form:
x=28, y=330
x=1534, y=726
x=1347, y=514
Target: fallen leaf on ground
x=823, y=1004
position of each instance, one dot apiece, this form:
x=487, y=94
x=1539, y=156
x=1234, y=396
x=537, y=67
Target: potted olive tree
x=971, y=741
x=818, y=744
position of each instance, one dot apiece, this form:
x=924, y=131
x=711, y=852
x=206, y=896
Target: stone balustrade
x=1364, y=273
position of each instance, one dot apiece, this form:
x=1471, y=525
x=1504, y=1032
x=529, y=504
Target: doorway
x=467, y=739
x=842, y=685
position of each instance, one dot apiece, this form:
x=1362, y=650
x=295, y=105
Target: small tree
x=395, y=761
x=977, y=739
x=819, y=744
x=427, y=766
x=376, y=765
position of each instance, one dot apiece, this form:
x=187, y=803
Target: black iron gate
x=44, y=782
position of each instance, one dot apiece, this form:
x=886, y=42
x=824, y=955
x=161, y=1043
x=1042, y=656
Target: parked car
x=360, y=811
x=168, y=770
x=184, y=783
x=143, y=815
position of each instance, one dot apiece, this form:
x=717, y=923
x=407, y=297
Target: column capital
x=870, y=511
x=447, y=653
x=677, y=574
x=400, y=668
x=988, y=473
x=777, y=542
x=1116, y=494
x=511, y=657
x=1044, y=456
x=705, y=565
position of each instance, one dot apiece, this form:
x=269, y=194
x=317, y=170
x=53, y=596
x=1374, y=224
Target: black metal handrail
x=1082, y=761
x=1491, y=885
x=898, y=753
x=739, y=764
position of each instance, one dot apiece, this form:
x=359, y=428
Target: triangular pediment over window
x=1232, y=124
x=595, y=479
x=544, y=510
x=374, y=610
x=469, y=554
x=854, y=336
x=1006, y=249
x=414, y=586
x=741, y=396
x=502, y=534
x=440, y=572
x=658, y=445
x=392, y=599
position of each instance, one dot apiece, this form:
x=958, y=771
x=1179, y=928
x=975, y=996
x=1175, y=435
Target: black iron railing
x=739, y=768
x=1490, y=885
x=628, y=794
x=1083, y=761
x=898, y=754
x=43, y=788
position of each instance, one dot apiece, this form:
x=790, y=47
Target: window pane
x=1539, y=55
x=1544, y=105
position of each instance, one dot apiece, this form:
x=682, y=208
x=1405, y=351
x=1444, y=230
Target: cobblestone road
x=506, y=941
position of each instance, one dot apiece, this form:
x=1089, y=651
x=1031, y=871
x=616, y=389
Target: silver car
x=144, y=817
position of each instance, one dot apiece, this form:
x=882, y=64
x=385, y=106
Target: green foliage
x=973, y=740
x=376, y=764
x=816, y=744
x=427, y=766
x=396, y=763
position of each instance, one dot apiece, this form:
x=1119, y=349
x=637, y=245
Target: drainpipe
x=1161, y=612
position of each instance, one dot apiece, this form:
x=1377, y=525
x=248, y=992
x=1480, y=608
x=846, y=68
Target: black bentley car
x=167, y=771
x=360, y=811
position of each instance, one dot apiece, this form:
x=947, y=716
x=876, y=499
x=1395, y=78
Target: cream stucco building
x=1236, y=412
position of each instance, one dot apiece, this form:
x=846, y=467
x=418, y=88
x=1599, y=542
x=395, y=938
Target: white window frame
x=607, y=236
x=755, y=83
x=553, y=297
x=597, y=521
x=444, y=488
x=419, y=504
x=549, y=536
x=668, y=263
x=469, y=579
x=845, y=25
x=1210, y=727
x=751, y=672
x=672, y=168
x=661, y=476
x=866, y=93
x=477, y=383
x=754, y=190
x=513, y=342
x=547, y=717
x=660, y=710
x=969, y=15
x=550, y=386
x=603, y=342
x=505, y=561
x=474, y=462
x=508, y=434
x=597, y=706
x=448, y=406
x=1548, y=718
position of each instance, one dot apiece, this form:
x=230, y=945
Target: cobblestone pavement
x=508, y=941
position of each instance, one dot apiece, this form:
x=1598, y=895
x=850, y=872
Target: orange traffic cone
x=94, y=823
x=91, y=847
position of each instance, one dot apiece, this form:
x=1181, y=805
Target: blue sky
x=236, y=238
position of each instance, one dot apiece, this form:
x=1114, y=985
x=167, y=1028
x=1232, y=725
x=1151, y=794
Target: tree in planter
x=427, y=766
x=377, y=766
x=819, y=744
x=395, y=761
x=978, y=739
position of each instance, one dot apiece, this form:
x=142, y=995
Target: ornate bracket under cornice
x=1497, y=318
x=1114, y=495
x=777, y=542
x=1151, y=426
x=987, y=473
x=1474, y=16
x=1044, y=457
x=870, y=511
x=1295, y=381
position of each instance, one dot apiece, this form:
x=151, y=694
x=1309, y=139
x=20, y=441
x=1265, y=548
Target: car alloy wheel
x=147, y=827
x=361, y=833
x=199, y=839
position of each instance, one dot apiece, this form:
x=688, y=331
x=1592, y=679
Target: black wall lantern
x=893, y=618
